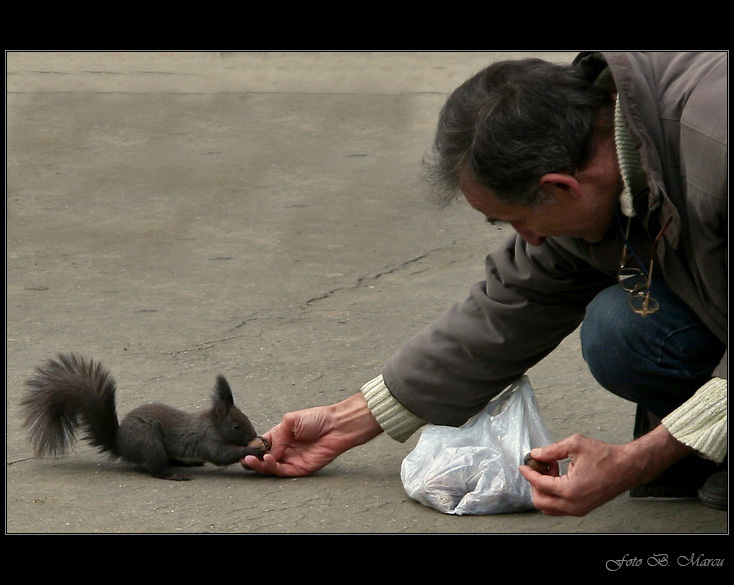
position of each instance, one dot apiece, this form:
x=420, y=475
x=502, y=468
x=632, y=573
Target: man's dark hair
x=510, y=124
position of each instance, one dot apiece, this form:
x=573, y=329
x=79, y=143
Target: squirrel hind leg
x=159, y=469
x=162, y=472
x=165, y=474
x=145, y=451
x=178, y=462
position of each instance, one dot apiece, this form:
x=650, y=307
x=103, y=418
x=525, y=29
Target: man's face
x=582, y=214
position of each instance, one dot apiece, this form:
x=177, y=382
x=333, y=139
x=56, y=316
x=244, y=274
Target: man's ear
x=556, y=184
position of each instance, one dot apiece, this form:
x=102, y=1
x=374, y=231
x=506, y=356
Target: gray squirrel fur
x=72, y=392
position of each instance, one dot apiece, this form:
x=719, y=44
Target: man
x=613, y=173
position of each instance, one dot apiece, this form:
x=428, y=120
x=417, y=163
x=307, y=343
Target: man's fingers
x=268, y=465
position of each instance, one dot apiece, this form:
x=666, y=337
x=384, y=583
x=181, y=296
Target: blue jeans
x=657, y=361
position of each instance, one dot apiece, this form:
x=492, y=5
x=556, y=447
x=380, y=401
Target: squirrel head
x=232, y=424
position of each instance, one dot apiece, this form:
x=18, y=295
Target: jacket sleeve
x=701, y=421
x=532, y=298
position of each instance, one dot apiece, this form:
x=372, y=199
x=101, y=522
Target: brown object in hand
x=260, y=443
x=539, y=466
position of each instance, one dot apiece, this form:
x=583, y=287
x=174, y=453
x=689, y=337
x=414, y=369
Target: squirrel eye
x=236, y=426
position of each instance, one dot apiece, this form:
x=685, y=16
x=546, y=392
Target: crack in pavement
x=363, y=279
x=258, y=316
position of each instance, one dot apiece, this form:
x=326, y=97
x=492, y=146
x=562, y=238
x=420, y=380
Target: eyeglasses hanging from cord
x=637, y=281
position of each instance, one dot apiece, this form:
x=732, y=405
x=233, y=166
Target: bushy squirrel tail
x=67, y=393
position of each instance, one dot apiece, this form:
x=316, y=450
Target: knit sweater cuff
x=701, y=421
x=396, y=420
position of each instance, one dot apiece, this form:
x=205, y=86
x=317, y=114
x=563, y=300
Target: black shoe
x=680, y=480
x=714, y=492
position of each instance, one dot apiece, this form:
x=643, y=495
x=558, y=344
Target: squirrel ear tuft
x=222, y=392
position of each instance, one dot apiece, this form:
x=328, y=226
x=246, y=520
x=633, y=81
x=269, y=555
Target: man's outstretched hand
x=307, y=440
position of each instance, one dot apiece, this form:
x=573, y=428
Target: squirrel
x=74, y=392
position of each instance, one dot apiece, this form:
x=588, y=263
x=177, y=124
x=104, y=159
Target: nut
x=260, y=443
x=539, y=466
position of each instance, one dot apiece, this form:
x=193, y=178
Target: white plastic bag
x=473, y=469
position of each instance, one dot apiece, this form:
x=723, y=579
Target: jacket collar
x=643, y=196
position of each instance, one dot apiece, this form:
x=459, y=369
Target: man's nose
x=528, y=235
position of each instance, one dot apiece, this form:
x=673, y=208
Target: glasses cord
x=628, y=246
